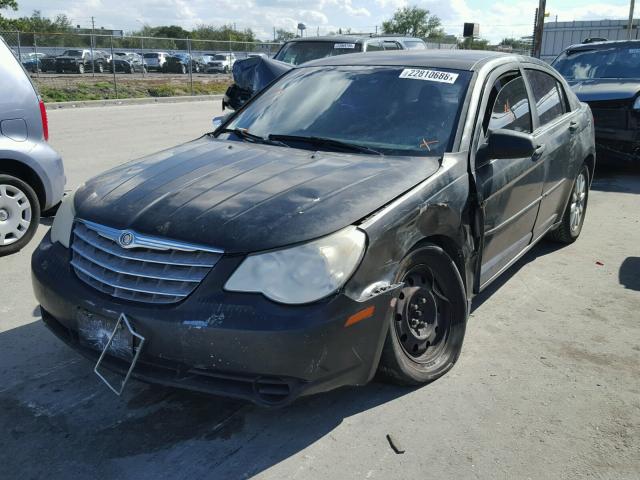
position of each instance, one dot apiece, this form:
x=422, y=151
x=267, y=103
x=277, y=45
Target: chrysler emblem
x=126, y=239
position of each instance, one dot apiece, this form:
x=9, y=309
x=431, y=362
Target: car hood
x=596, y=90
x=243, y=197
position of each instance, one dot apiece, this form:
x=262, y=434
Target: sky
x=498, y=19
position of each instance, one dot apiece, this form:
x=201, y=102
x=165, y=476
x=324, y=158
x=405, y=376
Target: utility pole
x=630, y=24
x=539, y=26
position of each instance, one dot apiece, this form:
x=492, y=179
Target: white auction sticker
x=429, y=75
x=344, y=45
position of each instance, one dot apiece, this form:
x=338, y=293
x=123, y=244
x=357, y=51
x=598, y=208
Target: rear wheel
x=19, y=214
x=573, y=217
x=100, y=67
x=429, y=319
x=183, y=69
x=81, y=68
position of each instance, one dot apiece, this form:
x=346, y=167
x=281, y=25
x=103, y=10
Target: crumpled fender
x=250, y=76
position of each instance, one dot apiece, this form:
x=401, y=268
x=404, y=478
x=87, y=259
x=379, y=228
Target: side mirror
x=509, y=144
x=217, y=121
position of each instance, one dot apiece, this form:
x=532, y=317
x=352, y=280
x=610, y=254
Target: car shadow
x=617, y=178
x=543, y=248
x=629, y=273
x=56, y=410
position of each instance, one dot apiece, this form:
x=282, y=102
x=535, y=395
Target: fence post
x=190, y=65
x=113, y=68
x=142, y=55
x=35, y=51
x=19, y=49
x=93, y=63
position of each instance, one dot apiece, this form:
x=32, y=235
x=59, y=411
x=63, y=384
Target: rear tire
x=19, y=214
x=81, y=69
x=427, y=327
x=573, y=218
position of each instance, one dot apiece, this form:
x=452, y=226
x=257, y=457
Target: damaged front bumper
x=617, y=145
x=232, y=344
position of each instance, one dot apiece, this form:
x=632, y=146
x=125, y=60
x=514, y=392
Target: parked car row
x=98, y=61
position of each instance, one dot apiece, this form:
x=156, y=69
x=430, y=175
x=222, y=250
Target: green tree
x=514, y=43
x=474, y=44
x=170, y=31
x=283, y=35
x=413, y=21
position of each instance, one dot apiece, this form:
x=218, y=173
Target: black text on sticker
x=429, y=75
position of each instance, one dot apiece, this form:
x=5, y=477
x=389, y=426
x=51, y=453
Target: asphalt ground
x=547, y=386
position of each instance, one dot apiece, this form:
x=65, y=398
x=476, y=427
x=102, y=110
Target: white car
x=221, y=62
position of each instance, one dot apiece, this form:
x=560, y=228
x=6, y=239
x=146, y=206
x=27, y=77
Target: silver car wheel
x=578, y=197
x=15, y=214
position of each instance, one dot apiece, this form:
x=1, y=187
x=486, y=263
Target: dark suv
x=81, y=61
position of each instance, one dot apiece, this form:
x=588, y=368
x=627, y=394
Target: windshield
x=394, y=110
x=220, y=57
x=72, y=53
x=297, y=53
x=151, y=55
x=611, y=62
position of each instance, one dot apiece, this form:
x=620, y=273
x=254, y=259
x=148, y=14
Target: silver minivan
x=31, y=173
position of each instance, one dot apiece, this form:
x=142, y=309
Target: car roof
x=598, y=45
x=455, y=59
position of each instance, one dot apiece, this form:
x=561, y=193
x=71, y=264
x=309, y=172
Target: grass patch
x=79, y=91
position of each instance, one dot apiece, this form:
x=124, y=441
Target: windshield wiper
x=245, y=135
x=321, y=141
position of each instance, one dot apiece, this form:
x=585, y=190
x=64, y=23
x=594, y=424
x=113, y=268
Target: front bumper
x=617, y=145
x=232, y=344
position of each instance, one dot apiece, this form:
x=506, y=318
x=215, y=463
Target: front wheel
x=19, y=214
x=429, y=319
x=573, y=218
x=81, y=68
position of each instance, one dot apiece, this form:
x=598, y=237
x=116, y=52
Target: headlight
x=636, y=104
x=304, y=273
x=62, y=224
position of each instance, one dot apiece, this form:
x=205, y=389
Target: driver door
x=510, y=189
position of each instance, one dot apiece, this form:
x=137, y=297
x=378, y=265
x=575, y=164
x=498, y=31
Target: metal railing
x=97, y=79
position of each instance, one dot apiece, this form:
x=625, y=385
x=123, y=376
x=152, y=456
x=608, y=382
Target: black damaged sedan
x=336, y=226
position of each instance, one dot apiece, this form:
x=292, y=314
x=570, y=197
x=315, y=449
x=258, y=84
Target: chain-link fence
x=68, y=66
x=74, y=66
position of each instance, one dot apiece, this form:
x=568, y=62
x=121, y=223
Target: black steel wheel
x=429, y=319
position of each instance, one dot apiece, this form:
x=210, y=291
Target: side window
x=508, y=105
x=389, y=45
x=374, y=46
x=548, y=95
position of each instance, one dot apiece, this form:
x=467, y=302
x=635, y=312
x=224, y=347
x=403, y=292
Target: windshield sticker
x=429, y=75
x=344, y=45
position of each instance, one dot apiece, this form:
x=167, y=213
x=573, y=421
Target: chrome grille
x=150, y=269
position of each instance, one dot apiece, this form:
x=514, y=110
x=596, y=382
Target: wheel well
x=26, y=174
x=590, y=162
x=451, y=248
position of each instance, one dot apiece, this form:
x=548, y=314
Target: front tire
x=429, y=319
x=19, y=214
x=81, y=68
x=573, y=218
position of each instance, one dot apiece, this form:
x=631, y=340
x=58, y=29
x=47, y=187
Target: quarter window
x=509, y=105
x=547, y=93
x=388, y=45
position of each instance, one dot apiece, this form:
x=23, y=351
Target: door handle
x=539, y=151
x=573, y=126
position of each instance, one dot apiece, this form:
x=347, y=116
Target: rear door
x=555, y=125
x=509, y=190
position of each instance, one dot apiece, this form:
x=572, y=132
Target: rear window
x=297, y=53
x=151, y=55
x=72, y=53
